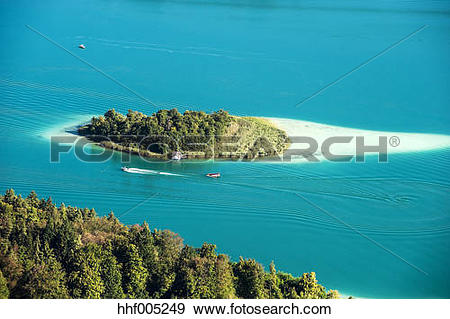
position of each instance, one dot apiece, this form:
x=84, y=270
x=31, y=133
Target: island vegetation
x=194, y=134
x=50, y=251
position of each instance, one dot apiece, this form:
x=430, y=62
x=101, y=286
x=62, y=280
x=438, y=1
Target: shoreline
x=408, y=142
x=191, y=135
x=411, y=142
x=66, y=128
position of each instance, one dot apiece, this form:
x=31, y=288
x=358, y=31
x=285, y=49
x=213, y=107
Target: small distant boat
x=125, y=168
x=176, y=156
x=81, y=46
x=213, y=175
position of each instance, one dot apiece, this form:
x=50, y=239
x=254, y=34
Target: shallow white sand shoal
x=408, y=142
x=405, y=142
x=65, y=128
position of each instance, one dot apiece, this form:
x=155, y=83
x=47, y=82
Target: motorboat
x=125, y=168
x=213, y=175
x=81, y=46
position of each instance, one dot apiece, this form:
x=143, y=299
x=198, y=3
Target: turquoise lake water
x=251, y=58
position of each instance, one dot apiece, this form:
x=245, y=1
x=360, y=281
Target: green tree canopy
x=48, y=251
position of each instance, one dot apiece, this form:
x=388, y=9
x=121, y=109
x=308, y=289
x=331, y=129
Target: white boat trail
x=134, y=170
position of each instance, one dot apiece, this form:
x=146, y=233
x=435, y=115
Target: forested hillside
x=49, y=251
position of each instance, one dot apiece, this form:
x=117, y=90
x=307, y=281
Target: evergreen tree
x=111, y=275
x=45, y=278
x=134, y=274
x=143, y=239
x=85, y=280
x=4, y=291
x=169, y=246
x=224, y=288
x=272, y=283
x=309, y=288
x=250, y=279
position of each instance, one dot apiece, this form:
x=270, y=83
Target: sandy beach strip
x=66, y=128
x=406, y=142
x=398, y=142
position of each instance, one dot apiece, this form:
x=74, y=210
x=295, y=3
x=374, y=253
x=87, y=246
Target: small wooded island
x=194, y=134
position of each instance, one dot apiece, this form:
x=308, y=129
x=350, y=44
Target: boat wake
x=147, y=171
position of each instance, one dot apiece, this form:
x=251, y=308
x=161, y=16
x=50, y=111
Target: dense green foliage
x=67, y=252
x=195, y=134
